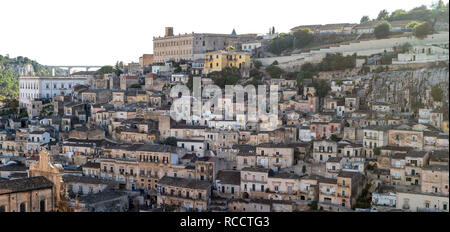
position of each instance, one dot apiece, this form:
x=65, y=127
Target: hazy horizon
x=102, y=32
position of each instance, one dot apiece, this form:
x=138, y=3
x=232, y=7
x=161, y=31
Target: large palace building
x=193, y=46
x=31, y=88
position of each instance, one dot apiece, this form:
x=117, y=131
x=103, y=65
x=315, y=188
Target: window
x=22, y=207
x=2, y=209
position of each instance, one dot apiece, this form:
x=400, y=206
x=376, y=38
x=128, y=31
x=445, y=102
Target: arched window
x=42, y=205
x=2, y=209
x=22, y=207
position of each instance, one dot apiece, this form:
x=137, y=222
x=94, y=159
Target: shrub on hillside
x=422, y=30
x=382, y=30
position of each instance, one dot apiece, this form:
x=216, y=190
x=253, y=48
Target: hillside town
x=362, y=126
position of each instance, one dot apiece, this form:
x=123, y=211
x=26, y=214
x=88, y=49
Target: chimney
x=169, y=31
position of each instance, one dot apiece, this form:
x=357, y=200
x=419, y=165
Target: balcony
x=148, y=176
x=411, y=175
x=343, y=185
x=328, y=193
x=254, y=181
x=340, y=195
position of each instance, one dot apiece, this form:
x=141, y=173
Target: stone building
x=31, y=88
x=191, y=46
x=33, y=194
x=183, y=193
x=228, y=183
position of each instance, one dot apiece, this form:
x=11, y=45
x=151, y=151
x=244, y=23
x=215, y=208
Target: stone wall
x=361, y=48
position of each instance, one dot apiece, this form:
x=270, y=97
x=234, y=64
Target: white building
x=305, y=134
x=161, y=68
x=250, y=46
x=424, y=115
x=46, y=87
x=179, y=78
x=375, y=136
x=196, y=147
x=420, y=54
x=384, y=199
x=36, y=139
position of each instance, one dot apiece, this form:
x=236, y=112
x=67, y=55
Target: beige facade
x=146, y=60
x=34, y=194
x=435, y=179
x=187, y=46
x=254, y=182
x=275, y=156
x=422, y=202
x=184, y=194
x=406, y=138
x=324, y=149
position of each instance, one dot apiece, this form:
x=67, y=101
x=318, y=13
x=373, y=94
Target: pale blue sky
x=99, y=32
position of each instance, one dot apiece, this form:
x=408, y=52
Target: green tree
x=282, y=43
x=364, y=19
x=304, y=169
x=135, y=86
x=439, y=12
x=335, y=138
x=303, y=37
x=422, y=30
x=257, y=64
x=119, y=67
x=9, y=85
x=382, y=30
x=322, y=88
x=406, y=47
x=255, y=73
x=172, y=141
x=106, y=69
x=228, y=76
x=412, y=24
x=437, y=93
x=397, y=14
x=377, y=151
x=274, y=71
x=383, y=15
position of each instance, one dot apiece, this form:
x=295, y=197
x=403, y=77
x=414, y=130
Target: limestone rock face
x=402, y=88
